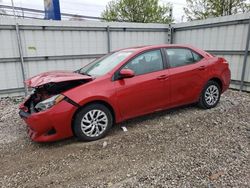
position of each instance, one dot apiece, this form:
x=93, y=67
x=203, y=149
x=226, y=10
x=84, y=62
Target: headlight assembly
x=48, y=103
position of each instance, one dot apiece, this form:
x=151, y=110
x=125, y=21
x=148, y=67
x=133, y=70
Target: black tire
x=203, y=103
x=85, y=115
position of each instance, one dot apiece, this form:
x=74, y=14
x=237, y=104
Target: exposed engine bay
x=47, y=91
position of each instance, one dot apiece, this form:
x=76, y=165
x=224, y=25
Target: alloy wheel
x=212, y=95
x=94, y=123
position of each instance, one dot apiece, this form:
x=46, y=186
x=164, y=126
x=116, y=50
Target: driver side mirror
x=126, y=73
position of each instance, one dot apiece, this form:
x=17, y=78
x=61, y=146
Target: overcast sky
x=90, y=7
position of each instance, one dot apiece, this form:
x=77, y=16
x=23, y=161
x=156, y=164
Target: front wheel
x=92, y=122
x=210, y=95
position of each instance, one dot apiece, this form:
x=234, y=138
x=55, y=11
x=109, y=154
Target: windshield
x=105, y=64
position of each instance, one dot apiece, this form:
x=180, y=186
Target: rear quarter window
x=197, y=57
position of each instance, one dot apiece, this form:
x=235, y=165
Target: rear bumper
x=225, y=87
x=226, y=79
x=50, y=125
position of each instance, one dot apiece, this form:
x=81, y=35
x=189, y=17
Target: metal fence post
x=108, y=39
x=21, y=57
x=19, y=43
x=245, y=58
x=171, y=34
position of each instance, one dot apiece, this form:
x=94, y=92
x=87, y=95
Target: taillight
x=223, y=60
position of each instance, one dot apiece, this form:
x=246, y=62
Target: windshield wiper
x=79, y=72
x=83, y=73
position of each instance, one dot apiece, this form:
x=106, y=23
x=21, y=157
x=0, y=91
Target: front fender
x=86, y=94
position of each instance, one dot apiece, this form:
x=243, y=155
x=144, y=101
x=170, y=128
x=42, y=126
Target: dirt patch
x=184, y=147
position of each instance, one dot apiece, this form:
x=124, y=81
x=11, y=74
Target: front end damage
x=47, y=112
x=35, y=102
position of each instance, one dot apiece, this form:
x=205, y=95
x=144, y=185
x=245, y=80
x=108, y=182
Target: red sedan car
x=121, y=85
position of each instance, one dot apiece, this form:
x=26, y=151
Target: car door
x=144, y=92
x=186, y=75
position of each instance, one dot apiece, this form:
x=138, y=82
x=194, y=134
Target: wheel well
x=93, y=102
x=217, y=80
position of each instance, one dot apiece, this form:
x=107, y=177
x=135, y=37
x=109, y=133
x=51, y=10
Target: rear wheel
x=210, y=95
x=92, y=122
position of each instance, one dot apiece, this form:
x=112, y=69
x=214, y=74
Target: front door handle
x=203, y=67
x=162, y=77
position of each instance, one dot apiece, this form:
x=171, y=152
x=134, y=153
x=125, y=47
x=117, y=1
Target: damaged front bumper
x=52, y=124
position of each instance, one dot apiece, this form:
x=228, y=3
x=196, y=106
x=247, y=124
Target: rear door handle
x=203, y=67
x=162, y=77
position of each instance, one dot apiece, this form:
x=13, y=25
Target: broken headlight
x=48, y=103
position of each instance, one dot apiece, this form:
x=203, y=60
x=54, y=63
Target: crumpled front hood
x=55, y=77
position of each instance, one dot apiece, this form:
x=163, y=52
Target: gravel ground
x=184, y=147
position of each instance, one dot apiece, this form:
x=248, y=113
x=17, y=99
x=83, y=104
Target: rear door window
x=181, y=56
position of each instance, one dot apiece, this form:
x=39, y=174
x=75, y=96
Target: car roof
x=146, y=47
x=149, y=47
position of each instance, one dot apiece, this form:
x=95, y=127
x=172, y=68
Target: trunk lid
x=54, y=77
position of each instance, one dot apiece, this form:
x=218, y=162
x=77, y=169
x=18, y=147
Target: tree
x=145, y=11
x=196, y=9
x=202, y=9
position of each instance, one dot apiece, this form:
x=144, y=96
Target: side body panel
x=100, y=89
x=219, y=68
x=142, y=94
x=186, y=82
